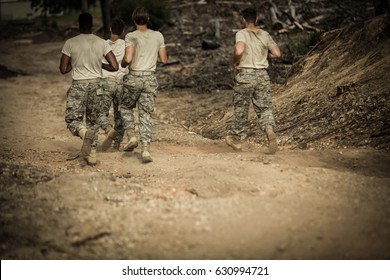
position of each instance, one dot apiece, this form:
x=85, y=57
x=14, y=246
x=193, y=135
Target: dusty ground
x=197, y=200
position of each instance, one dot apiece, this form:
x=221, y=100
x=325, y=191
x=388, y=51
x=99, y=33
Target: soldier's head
x=250, y=15
x=140, y=16
x=117, y=26
x=85, y=21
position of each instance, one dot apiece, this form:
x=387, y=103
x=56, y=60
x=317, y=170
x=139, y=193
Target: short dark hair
x=140, y=16
x=117, y=26
x=249, y=15
x=85, y=20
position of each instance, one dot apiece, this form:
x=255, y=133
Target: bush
x=305, y=44
x=158, y=10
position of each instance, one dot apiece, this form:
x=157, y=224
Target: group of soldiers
x=113, y=71
x=122, y=73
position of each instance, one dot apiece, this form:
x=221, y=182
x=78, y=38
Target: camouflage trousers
x=84, y=98
x=252, y=87
x=112, y=93
x=139, y=91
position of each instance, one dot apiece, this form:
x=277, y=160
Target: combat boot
x=110, y=136
x=272, y=145
x=133, y=143
x=145, y=152
x=116, y=146
x=87, y=136
x=234, y=142
x=91, y=158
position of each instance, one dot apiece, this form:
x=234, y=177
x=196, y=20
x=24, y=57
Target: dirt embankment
x=336, y=96
x=339, y=93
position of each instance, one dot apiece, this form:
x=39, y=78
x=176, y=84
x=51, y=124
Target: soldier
x=83, y=56
x=144, y=47
x=112, y=88
x=251, y=83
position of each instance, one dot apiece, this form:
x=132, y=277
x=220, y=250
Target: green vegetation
x=304, y=44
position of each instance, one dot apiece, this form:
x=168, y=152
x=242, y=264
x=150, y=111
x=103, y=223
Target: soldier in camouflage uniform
x=144, y=47
x=251, y=83
x=82, y=55
x=112, y=88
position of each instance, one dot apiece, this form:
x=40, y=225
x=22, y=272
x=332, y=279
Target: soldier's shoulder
x=262, y=31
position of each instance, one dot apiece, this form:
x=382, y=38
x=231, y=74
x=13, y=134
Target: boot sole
x=147, y=159
x=87, y=143
x=232, y=145
x=90, y=163
x=130, y=147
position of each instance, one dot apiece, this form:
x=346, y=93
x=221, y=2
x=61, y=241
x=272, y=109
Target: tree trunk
x=106, y=16
x=84, y=6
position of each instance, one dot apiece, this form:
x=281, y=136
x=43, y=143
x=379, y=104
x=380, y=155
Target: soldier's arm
x=128, y=57
x=162, y=55
x=65, y=64
x=274, y=52
x=239, y=49
x=112, y=65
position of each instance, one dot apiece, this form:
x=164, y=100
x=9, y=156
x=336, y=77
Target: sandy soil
x=197, y=200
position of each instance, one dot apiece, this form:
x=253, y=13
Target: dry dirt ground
x=197, y=200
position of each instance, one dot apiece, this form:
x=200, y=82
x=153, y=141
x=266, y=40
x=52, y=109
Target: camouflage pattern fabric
x=252, y=87
x=83, y=98
x=139, y=91
x=112, y=93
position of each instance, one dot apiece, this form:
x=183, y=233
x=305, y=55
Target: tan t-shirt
x=147, y=45
x=86, y=52
x=118, y=48
x=257, y=45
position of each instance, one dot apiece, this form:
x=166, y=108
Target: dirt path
x=197, y=200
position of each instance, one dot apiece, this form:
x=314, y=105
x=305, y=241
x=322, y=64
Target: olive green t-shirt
x=146, y=44
x=86, y=52
x=257, y=44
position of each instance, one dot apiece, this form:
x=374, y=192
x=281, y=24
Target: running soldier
x=83, y=56
x=112, y=88
x=144, y=47
x=251, y=83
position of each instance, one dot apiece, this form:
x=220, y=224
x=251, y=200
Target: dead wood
x=207, y=38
